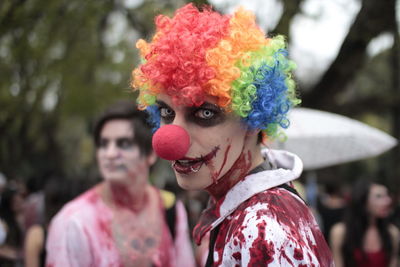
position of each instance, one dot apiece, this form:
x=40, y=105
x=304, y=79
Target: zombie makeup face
x=118, y=156
x=217, y=141
x=235, y=67
x=379, y=201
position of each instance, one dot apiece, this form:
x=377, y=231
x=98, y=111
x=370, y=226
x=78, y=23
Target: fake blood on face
x=188, y=165
x=215, y=174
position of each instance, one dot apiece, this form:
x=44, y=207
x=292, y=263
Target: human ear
x=253, y=132
x=151, y=158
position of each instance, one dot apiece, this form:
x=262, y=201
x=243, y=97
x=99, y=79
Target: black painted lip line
x=205, y=158
x=186, y=169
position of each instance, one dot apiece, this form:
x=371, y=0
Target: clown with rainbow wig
x=216, y=87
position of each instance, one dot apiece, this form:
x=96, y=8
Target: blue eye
x=167, y=115
x=205, y=114
x=166, y=112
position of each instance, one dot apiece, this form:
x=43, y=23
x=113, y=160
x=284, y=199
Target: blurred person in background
x=215, y=85
x=331, y=206
x=365, y=238
x=3, y=183
x=12, y=220
x=123, y=220
x=57, y=192
x=34, y=202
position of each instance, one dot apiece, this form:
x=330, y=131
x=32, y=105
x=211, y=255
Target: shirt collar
x=288, y=168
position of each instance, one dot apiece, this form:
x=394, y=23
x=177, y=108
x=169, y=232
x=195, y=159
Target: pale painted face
x=379, y=201
x=118, y=157
x=217, y=140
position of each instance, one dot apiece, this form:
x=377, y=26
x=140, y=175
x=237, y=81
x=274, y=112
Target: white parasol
x=323, y=139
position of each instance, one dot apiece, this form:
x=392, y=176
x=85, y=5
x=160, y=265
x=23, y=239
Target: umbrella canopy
x=323, y=139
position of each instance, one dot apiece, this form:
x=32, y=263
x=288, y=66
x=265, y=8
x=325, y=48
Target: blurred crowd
x=74, y=222
x=26, y=208
x=365, y=207
x=360, y=223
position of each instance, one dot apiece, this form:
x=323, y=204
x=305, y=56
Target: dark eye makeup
x=125, y=143
x=167, y=114
x=103, y=143
x=122, y=143
x=206, y=115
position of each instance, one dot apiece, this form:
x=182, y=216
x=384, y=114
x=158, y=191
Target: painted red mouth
x=188, y=165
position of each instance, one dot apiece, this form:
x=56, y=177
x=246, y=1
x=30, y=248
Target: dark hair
x=357, y=220
x=7, y=214
x=127, y=110
x=332, y=188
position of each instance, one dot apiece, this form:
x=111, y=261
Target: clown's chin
x=193, y=180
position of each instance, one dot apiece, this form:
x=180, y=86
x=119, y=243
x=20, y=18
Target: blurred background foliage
x=63, y=61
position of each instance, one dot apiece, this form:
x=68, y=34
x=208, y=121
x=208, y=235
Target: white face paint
x=118, y=156
x=217, y=139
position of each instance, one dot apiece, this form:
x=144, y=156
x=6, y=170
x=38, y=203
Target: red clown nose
x=171, y=142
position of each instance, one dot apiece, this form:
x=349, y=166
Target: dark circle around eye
x=206, y=114
x=166, y=112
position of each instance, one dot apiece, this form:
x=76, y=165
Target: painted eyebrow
x=163, y=104
x=204, y=105
x=207, y=105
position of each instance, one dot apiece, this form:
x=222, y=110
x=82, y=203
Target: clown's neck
x=247, y=161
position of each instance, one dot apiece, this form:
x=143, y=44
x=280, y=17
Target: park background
x=63, y=61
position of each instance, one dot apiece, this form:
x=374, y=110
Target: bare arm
x=34, y=244
x=337, y=236
x=8, y=252
x=395, y=235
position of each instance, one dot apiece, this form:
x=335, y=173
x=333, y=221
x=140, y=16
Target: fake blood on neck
x=123, y=198
x=238, y=171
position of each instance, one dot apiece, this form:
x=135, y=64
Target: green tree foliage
x=63, y=61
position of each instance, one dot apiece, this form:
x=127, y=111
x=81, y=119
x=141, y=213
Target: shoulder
x=80, y=210
x=394, y=231
x=280, y=233
x=337, y=234
x=36, y=231
x=281, y=195
x=81, y=203
x=277, y=211
x=338, y=229
x=278, y=202
x=35, y=237
x=70, y=227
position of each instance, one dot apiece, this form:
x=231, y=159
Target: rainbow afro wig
x=197, y=54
